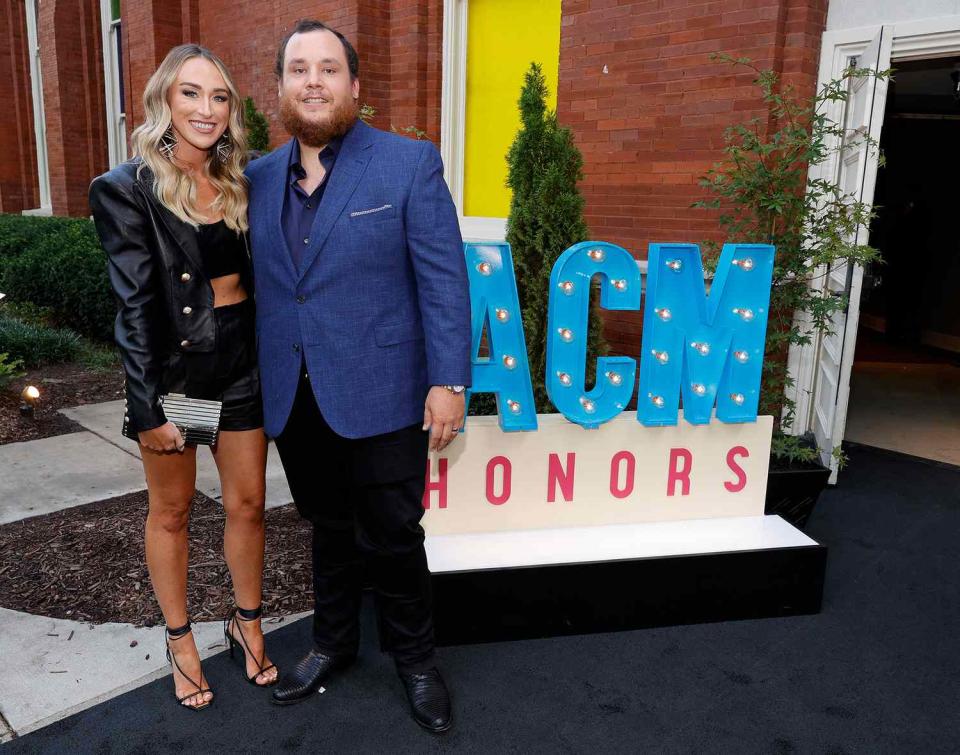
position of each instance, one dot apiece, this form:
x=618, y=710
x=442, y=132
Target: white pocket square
x=358, y=213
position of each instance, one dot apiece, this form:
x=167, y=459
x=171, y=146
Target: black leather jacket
x=157, y=274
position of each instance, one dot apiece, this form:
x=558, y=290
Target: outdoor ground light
x=30, y=397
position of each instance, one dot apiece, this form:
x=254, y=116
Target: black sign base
x=489, y=605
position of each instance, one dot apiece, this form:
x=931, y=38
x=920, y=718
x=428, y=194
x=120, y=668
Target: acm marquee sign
x=595, y=463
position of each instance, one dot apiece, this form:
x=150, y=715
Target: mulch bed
x=86, y=563
x=61, y=386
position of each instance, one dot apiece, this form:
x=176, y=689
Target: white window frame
x=453, y=109
x=116, y=118
x=911, y=40
x=39, y=117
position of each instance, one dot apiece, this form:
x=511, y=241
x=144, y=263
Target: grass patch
x=36, y=345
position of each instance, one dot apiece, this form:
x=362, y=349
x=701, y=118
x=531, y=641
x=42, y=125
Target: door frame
x=910, y=40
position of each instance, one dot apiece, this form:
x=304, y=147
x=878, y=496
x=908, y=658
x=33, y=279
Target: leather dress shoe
x=429, y=700
x=307, y=676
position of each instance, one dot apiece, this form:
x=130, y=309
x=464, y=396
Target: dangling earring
x=167, y=143
x=224, y=147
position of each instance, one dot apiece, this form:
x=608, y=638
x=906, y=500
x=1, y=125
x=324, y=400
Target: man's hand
x=443, y=416
x=165, y=439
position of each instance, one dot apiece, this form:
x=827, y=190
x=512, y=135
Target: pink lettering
x=679, y=473
x=504, y=463
x=557, y=475
x=741, y=483
x=615, y=468
x=440, y=486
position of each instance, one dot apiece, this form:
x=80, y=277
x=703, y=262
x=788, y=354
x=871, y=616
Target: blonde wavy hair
x=172, y=186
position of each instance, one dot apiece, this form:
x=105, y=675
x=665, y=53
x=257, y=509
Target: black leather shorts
x=230, y=373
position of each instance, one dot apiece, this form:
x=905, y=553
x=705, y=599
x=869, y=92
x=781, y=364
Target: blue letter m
x=709, y=348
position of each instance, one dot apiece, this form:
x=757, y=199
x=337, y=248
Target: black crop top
x=222, y=250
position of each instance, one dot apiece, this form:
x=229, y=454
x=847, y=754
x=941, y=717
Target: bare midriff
x=227, y=290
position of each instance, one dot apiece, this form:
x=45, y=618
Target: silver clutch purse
x=198, y=420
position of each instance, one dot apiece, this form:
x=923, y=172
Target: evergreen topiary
x=546, y=217
x=258, y=128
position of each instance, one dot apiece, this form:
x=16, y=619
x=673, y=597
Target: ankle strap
x=177, y=632
x=250, y=614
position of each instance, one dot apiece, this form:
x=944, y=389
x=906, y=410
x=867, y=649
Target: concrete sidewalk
x=53, y=668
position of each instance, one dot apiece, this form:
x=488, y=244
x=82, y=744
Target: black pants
x=365, y=500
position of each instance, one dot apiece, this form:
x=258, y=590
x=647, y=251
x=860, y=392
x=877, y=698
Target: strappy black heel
x=236, y=616
x=176, y=634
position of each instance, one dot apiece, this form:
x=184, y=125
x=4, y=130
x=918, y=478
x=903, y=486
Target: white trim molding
x=453, y=121
x=116, y=118
x=912, y=40
x=39, y=116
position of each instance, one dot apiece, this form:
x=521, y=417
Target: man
x=364, y=334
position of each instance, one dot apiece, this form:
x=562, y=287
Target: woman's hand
x=165, y=439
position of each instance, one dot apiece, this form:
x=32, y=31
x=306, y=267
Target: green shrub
x=258, y=127
x=9, y=370
x=57, y=263
x=36, y=345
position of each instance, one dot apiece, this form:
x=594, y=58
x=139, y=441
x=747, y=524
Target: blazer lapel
x=183, y=233
x=276, y=193
x=351, y=162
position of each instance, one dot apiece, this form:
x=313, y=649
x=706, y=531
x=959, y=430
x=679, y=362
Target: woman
x=173, y=222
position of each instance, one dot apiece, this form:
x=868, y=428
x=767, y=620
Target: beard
x=313, y=133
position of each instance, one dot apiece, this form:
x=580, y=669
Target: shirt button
x=296, y=347
x=306, y=241
x=184, y=344
x=188, y=310
x=308, y=206
x=185, y=277
x=301, y=299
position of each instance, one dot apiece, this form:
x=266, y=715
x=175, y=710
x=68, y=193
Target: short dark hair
x=305, y=25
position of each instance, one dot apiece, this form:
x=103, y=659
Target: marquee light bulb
x=661, y=356
x=745, y=314
x=588, y=406
x=741, y=356
x=737, y=398
x=663, y=313
x=620, y=284
x=596, y=255
x=485, y=268
x=745, y=264
x=567, y=287
x=565, y=380
x=514, y=406
x=701, y=347
x=699, y=388
x=566, y=334
x=657, y=401
x=615, y=378
x=675, y=265
x=509, y=362
x=503, y=315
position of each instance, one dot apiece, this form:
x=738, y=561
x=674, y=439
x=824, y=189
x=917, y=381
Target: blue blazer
x=380, y=310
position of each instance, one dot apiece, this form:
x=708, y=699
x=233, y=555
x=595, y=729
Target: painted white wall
x=850, y=14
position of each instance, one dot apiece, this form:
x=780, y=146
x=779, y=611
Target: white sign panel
x=563, y=475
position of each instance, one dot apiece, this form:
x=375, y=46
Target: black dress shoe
x=307, y=676
x=429, y=700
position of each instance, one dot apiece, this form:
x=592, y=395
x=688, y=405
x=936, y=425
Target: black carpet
x=878, y=671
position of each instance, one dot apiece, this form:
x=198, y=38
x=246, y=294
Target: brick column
x=73, y=95
x=19, y=189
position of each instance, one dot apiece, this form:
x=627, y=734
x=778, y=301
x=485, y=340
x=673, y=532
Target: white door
x=856, y=175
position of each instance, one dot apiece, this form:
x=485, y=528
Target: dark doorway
x=905, y=384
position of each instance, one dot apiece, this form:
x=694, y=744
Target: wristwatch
x=457, y=389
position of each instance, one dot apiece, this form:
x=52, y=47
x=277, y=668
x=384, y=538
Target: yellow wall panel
x=503, y=38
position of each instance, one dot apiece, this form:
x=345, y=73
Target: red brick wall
x=653, y=123
x=19, y=189
x=73, y=95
